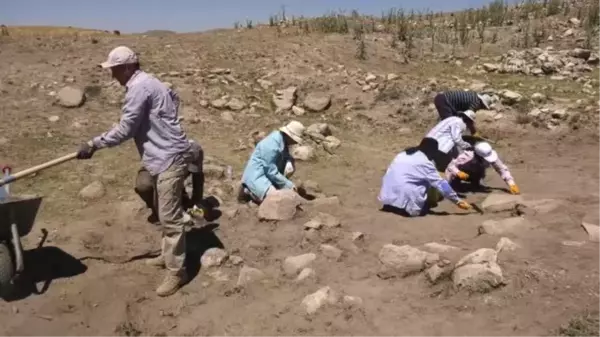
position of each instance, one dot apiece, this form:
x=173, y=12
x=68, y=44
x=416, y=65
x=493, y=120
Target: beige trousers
x=169, y=188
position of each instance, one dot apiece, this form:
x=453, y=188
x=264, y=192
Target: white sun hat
x=470, y=114
x=295, y=130
x=484, y=150
x=119, y=56
x=486, y=100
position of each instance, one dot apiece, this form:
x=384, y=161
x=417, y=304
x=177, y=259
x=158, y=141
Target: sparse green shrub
x=553, y=7
x=497, y=12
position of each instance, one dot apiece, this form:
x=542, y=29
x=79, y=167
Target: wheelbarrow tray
x=20, y=210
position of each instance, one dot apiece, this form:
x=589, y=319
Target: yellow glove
x=462, y=175
x=464, y=205
x=476, y=134
x=514, y=189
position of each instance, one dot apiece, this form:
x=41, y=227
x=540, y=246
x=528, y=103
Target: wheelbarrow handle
x=11, y=178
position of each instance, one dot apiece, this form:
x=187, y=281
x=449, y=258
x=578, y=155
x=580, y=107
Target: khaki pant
x=169, y=188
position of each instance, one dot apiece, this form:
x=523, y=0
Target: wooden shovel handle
x=32, y=170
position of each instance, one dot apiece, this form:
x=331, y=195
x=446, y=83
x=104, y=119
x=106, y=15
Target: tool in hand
x=12, y=178
x=477, y=208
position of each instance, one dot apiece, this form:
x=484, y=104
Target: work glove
x=464, y=205
x=462, y=175
x=514, y=189
x=86, y=150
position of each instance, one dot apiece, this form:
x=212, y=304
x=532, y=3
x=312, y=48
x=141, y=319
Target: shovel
x=12, y=178
x=474, y=139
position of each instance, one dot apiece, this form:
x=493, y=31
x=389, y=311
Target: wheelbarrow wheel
x=7, y=270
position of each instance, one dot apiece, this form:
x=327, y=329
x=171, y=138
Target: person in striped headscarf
x=451, y=103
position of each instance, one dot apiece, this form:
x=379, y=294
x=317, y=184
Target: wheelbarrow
x=17, y=216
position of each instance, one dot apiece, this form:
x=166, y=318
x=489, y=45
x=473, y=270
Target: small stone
x=293, y=264
x=482, y=255
x=331, y=252
x=357, y=236
x=264, y=83
x=213, y=257
x=593, y=231
x=573, y=243
x=298, y=111
x=317, y=102
x=219, y=103
x=352, y=301
x=501, y=202
x=235, y=104
x=249, y=275
x=313, y=224
x=328, y=220
x=70, y=97
x=331, y=143
x=92, y=191
x=321, y=129
x=305, y=274
x=490, y=67
x=438, y=248
x=235, y=260
x=285, y=99
x=568, y=32
x=313, y=302
x=505, y=226
x=575, y=22
x=370, y=78
x=391, y=77
x=435, y=273
x=506, y=244
x=510, y=97
x=538, y=98
x=561, y=114
x=53, y=119
x=325, y=202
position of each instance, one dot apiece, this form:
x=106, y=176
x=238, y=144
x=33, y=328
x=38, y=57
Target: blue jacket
x=265, y=166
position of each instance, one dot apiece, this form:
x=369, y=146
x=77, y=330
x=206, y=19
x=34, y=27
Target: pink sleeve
x=503, y=171
x=452, y=169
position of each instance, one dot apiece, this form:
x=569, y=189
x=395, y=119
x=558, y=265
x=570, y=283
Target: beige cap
x=295, y=130
x=118, y=56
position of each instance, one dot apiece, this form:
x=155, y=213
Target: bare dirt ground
x=550, y=278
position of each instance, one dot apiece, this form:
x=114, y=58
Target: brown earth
x=549, y=280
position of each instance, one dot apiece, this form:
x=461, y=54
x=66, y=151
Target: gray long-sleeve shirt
x=150, y=117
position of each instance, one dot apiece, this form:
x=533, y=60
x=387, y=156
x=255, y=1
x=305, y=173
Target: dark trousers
x=446, y=110
x=402, y=212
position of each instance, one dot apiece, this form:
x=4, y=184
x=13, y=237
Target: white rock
x=298, y=111
x=505, y=226
x=303, y=152
x=235, y=104
x=405, y=260
x=305, y=274
x=482, y=255
x=506, y=244
x=313, y=302
x=293, y=264
x=478, y=277
x=313, y=224
x=352, y=301
x=331, y=252
x=575, y=22
x=391, y=77
x=538, y=98
x=70, y=97
x=331, y=143
x=510, y=97
x=249, y=275
x=500, y=202
x=279, y=205
x=370, y=78
x=93, y=191
x=53, y=119
x=213, y=257
x=438, y=248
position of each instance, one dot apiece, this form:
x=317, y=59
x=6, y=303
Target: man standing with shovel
x=150, y=118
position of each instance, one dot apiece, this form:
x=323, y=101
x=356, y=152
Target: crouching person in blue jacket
x=270, y=165
x=410, y=180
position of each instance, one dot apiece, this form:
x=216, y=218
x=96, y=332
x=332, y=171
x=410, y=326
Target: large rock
x=313, y=302
x=510, y=97
x=506, y=226
x=317, y=102
x=70, y=97
x=293, y=264
x=236, y=104
x=249, y=275
x=92, y=191
x=490, y=67
x=405, y=260
x=213, y=257
x=331, y=143
x=279, y=205
x=542, y=206
x=303, y=152
x=593, y=231
x=285, y=99
x=478, y=271
x=501, y=202
x=439, y=248
x=580, y=53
